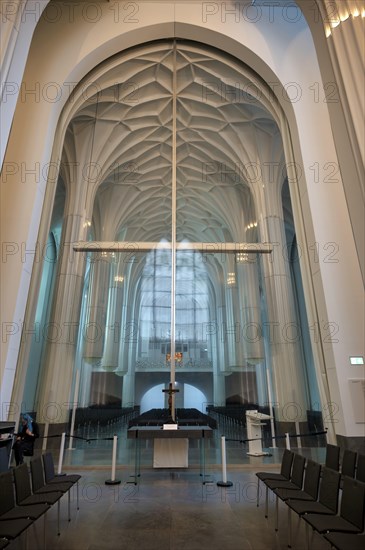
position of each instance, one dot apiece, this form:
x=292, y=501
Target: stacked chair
x=327, y=503
x=332, y=457
x=309, y=493
x=284, y=475
x=52, y=478
x=40, y=487
x=351, y=518
x=22, y=503
x=326, y=490
x=360, y=468
x=344, y=541
x=15, y=519
x=25, y=496
x=295, y=482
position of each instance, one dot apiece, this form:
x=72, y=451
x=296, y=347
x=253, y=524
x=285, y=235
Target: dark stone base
x=281, y=428
x=351, y=443
x=52, y=442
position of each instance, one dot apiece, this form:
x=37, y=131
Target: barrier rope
x=278, y=437
x=88, y=439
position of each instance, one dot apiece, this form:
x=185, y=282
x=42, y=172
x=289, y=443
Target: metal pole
x=112, y=480
x=45, y=435
x=299, y=440
x=76, y=395
x=224, y=482
x=173, y=234
x=62, y=448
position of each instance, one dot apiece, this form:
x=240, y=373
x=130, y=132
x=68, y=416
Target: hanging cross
x=171, y=391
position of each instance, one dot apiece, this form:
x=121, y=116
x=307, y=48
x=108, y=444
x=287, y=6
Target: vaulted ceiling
x=125, y=131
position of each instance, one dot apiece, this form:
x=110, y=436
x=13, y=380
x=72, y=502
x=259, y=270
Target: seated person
x=24, y=442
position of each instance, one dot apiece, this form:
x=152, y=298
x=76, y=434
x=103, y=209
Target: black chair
x=326, y=504
x=10, y=511
x=310, y=488
x=351, y=518
x=295, y=482
x=51, y=477
x=40, y=487
x=348, y=463
x=284, y=475
x=346, y=541
x=3, y=543
x=332, y=457
x=11, y=529
x=309, y=491
x=24, y=494
x=360, y=468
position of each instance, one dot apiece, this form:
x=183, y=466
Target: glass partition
x=189, y=175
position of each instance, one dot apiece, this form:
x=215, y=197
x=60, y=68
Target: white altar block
x=171, y=453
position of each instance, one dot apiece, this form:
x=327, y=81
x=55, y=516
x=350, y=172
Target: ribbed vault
x=123, y=135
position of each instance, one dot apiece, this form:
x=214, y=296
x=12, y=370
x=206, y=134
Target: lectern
x=254, y=421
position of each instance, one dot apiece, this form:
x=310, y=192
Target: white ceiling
x=127, y=130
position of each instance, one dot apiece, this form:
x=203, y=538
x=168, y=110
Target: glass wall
x=186, y=155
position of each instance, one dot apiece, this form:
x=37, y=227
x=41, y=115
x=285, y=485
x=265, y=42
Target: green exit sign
x=356, y=360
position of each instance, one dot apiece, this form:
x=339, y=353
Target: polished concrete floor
x=171, y=510
x=168, y=510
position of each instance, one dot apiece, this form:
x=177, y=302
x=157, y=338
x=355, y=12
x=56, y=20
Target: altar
x=170, y=447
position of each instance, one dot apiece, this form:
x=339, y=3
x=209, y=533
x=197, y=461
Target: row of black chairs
x=25, y=498
x=317, y=500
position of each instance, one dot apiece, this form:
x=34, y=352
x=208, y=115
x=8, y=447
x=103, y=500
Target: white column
x=287, y=366
x=18, y=21
x=129, y=333
x=230, y=330
x=94, y=329
x=221, y=339
x=85, y=383
x=344, y=28
x=113, y=328
x=251, y=323
x=65, y=320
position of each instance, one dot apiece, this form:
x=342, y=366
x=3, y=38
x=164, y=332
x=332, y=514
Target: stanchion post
x=287, y=440
x=76, y=395
x=297, y=430
x=112, y=480
x=224, y=482
x=62, y=448
x=45, y=435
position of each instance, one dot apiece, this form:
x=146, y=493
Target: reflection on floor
x=168, y=509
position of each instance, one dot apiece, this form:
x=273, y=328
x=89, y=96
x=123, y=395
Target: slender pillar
x=65, y=321
x=283, y=330
x=112, y=329
x=94, y=329
x=230, y=330
x=250, y=310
